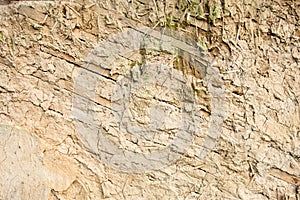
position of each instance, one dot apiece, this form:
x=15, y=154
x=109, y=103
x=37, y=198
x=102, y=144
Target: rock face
x=150, y=99
x=21, y=165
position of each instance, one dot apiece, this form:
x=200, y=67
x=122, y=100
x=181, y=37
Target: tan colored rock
x=22, y=170
x=44, y=47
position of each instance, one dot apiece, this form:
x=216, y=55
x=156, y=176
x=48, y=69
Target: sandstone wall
x=46, y=46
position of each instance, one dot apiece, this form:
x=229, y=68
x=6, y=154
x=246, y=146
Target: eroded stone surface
x=22, y=170
x=255, y=45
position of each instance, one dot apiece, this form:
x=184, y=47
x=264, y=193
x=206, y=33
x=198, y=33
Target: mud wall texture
x=45, y=47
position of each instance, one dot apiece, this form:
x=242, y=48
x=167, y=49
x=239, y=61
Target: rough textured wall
x=256, y=48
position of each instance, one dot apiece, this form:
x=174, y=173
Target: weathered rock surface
x=255, y=45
